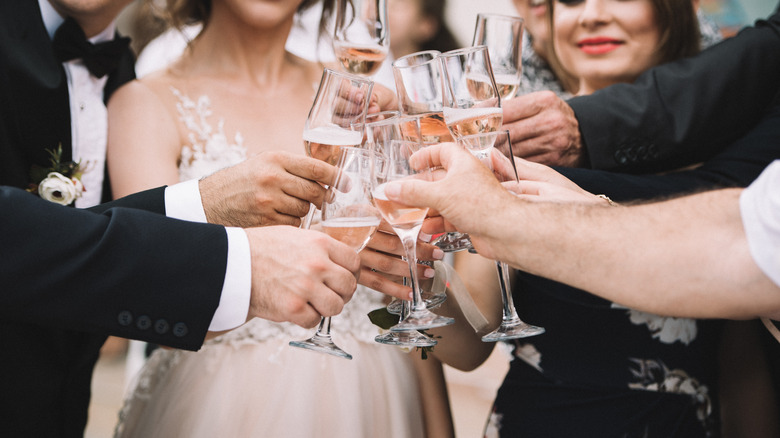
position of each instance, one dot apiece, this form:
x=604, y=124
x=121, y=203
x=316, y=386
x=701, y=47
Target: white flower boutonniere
x=60, y=189
x=61, y=183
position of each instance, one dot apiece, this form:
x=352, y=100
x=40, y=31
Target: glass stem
x=306, y=224
x=510, y=313
x=410, y=247
x=324, y=328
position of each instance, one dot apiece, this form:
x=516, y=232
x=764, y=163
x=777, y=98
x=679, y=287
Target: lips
x=598, y=46
x=538, y=7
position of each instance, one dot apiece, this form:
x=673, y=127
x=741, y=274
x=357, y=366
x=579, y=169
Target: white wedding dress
x=250, y=382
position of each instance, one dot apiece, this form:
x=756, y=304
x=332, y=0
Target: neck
x=228, y=47
x=92, y=19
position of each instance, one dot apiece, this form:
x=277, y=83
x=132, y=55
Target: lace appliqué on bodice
x=209, y=151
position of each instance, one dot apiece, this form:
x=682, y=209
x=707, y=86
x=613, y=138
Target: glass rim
x=485, y=134
x=404, y=59
x=464, y=51
x=353, y=77
x=393, y=120
x=500, y=16
x=393, y=114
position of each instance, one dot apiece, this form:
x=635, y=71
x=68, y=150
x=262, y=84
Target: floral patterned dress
x=602, y=370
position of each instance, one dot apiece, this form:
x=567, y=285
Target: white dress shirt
x=759, y=206
x=89, y=128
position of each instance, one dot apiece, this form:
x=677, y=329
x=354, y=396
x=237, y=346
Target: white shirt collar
x=53, y=20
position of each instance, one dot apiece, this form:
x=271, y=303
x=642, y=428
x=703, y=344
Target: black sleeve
x=685, y=111
x=75, y=269
x=736, y=166
x=150, y=200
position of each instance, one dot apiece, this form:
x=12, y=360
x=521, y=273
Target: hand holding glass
x=349, y=216
x=484, y=146
x=406, y=222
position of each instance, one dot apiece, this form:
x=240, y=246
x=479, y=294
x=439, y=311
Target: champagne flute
x=382, y=130
x=471, y=104
x=361, y=37
x=512, y=327
x=418, y=84
x=503, y=36
x=471, y=101
x=406, y=222
x=336, y=119
x=349, y=216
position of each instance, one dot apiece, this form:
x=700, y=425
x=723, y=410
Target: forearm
x=460, y=345
x=433, y=393
x=686, y=257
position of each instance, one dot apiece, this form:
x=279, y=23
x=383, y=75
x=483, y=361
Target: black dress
x=605, y=371
x=601, y=370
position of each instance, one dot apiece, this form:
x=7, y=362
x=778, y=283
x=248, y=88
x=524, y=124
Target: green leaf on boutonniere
x=382, y=318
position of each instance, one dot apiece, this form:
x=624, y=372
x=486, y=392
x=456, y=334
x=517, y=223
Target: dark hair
x=443, y=40
x=680, y=35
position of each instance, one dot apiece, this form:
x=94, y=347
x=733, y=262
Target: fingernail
x=438, y=254
x=411, y=296
x=429, y=273
x=425, y=237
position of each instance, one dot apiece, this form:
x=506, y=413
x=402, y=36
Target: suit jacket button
x=143, y=322
x=125, y=318
x=180, y=329
x=620, y=157
x=161, y=326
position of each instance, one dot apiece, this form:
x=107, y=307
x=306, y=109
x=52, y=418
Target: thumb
x=412, y=193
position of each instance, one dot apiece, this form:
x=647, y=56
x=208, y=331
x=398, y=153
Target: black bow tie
x=100, y=59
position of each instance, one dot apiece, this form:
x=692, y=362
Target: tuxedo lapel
x=35, y=110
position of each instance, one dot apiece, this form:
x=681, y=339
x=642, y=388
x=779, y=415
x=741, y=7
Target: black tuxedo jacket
x=47, y=362
x=34, y=94
x=686, y=111
x=70, y=277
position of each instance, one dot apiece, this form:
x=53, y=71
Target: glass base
x=406, y=339
x=322, y=344
x=432, y=301
x=454, y=242
x=421, y=320
x=515, y=329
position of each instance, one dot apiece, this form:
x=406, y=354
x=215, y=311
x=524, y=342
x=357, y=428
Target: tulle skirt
x=269, y=389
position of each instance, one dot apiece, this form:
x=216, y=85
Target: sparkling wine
x=353, y=231
x=433, y=129
x=325, y=142
x=507, y=85
x=462, y=122
x=398, y=215
x=362, y=59
x=480, y=86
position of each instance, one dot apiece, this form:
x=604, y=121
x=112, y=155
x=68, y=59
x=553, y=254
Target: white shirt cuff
x=182, y=201
x=236, y=290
